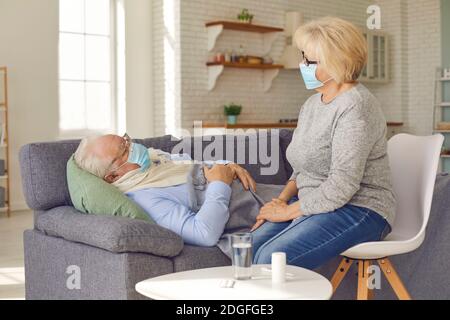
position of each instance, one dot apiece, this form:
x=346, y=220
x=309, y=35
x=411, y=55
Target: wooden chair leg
x=340, y=273
x=364, y=293
x=394, y=279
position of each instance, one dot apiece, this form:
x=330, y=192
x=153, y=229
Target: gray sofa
x=112, y=254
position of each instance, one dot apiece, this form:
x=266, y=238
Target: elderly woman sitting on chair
x=340, y=193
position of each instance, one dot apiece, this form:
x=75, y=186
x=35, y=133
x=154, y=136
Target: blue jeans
x=310, y=241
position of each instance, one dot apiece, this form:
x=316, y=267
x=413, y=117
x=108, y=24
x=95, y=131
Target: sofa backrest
x=43, y=165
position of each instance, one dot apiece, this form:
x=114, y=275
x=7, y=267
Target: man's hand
x=243, y=175
x=219, y=172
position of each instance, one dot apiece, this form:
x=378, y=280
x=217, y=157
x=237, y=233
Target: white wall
x=139, y=93
x=414, y=30
x=167, y=73
x=28, y=47
x=424, y=56
x=394, y=95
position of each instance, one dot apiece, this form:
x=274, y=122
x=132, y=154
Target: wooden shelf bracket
x=213, y=33
x=214, y=73
x=268, y=77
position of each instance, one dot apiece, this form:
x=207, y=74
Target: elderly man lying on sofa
x=196, y=201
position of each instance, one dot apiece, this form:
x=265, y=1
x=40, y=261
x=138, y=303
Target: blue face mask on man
x=308, y=73
x=139, y=155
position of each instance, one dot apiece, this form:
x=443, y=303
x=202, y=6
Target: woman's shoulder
x=310, y=102
x=363, y=105
x=360, y=99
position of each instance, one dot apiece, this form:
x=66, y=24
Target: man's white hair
x=87, y=159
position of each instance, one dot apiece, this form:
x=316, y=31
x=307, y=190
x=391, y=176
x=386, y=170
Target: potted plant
x=232, y=111
x=245, y=16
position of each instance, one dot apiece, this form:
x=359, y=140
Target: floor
x=12, y=278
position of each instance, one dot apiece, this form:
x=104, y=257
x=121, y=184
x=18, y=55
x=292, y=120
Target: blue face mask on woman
x=309, y=76
x=139, y=155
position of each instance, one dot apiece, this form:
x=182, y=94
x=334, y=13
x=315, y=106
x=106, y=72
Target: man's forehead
x=109, y=139
x=107, y=144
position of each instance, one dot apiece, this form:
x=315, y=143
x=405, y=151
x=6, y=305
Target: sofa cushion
x=114, y=234
x=93, y=195
x=43, y=170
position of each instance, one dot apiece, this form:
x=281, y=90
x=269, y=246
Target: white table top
x=205, y=284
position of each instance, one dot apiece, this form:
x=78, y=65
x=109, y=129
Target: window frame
x=80, y=133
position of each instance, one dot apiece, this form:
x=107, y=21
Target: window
x=86, y=66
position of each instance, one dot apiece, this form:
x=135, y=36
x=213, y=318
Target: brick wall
x=180, y=77
x=424, y=56
x=414, y=31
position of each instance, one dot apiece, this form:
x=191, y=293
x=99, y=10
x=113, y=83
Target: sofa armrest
x=115, y=234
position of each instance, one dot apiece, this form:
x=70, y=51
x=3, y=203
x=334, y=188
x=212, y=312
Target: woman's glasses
x=306, y=61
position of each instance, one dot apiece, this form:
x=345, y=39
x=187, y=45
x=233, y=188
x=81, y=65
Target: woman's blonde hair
x=338, y=44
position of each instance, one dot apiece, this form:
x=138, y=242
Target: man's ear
x=110, y=178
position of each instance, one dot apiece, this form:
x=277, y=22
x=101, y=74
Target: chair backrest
x=414, y=162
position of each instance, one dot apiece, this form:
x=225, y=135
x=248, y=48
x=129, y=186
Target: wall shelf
x=246, y=65
x=441, y=131
x=215, y=29
x=270, y=72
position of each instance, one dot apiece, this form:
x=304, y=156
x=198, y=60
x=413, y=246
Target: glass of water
x=242, y=255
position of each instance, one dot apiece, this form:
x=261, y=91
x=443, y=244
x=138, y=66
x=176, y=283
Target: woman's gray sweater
x=339, y=155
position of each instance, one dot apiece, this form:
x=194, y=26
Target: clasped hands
x=229, y=172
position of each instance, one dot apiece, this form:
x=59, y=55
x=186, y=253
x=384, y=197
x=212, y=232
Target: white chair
x=414, y=162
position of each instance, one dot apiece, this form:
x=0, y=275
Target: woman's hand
x=274, y=211
x=243, y=175
x=261, y=221
x=277, y=211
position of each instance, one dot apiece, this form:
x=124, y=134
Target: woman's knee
x=264, y=254
x=265, y=233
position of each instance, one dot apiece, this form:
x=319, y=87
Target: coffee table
x=210, y=284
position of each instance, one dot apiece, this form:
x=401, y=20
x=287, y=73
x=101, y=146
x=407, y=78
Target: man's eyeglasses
x=306, y=61
x=124, y=148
